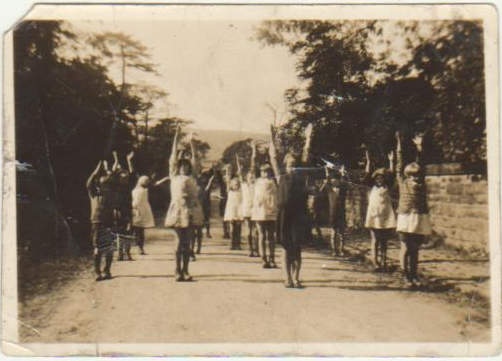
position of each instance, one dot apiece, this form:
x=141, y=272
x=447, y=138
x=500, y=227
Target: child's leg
x=256, y=238
x=226, y=230
x=263, y=241
x=188, y=235
x=404, y=254
x=287, y=266
x=333, y=240
x=297, y=261
x=237, y=234
x=374, y=251
x=270, y=234
x=199, y=239
x=341, y=236
x=108, y=264
x=383, y=250
x=249, y=225
x=97, y=262
x=178, y=252
x=414, y=249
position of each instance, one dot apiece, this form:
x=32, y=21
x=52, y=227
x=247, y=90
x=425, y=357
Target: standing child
x=336, y=186
x=265, y=213
x=314, y=207
x=100, y=188
x=292, y=218
x=413, y=223
x=142, y=215
x=233, y=209
x=247, y=186
x=205, y=182
x=122, y=207
x=380, y=217
x=180, y=215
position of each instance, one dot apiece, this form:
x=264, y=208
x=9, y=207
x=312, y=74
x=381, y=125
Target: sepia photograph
x=251, y=180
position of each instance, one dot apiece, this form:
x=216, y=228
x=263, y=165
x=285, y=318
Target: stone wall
x=458, y=205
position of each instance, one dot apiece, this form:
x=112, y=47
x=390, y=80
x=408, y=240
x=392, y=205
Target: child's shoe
x=108, y=276
x=186, y=276
x=99, y=278
x=289, y=284
x=178, y=277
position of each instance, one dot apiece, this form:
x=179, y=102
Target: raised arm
x=116, y=163
x=227, y=176
x=368, y=162
x=160, y=181
x=93, y=176
x=392, y=165
x=130, y=164
x=194, y=159
x=273, y=154
x=209, y=184
x=399, y=156
x=173, y=156
x=252, y=165
x=418, y=141
x=306, y=147
x=239, y=169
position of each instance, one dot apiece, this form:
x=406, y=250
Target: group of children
x=273, y=200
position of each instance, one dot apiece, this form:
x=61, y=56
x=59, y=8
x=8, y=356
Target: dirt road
x=234, y=300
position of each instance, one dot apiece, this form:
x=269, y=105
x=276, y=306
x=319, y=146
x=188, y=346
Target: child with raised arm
x=233, y=208
x=180, y=215
x=205, y=182
x=247, y=186
x=123, y=205
x=413, y=223
x=336, y=186
x=293, y=215
x=265, y=212
x=380, y=217
x=100, y=188
x=197, y=212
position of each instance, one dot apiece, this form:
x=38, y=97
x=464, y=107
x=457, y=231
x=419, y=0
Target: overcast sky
x=215, y=73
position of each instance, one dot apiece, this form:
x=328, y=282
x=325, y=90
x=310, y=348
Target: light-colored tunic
x=417, y=223
x=247, y=199
x=184, y=207
x=380, y=214
x=265, y=200
x=142, y=215
x=233, y=209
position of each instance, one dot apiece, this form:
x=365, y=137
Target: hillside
x=220, y=139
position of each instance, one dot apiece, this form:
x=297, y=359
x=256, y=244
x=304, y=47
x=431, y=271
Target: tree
x=123, y=49
x=356, y=95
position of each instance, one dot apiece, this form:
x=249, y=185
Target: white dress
x=184, y=207
x=265, y=200
x=380, y=214
x=142, y=215
x=247, y=199
x=233, y=208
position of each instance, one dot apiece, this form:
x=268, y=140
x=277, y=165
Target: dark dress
x=293, y=217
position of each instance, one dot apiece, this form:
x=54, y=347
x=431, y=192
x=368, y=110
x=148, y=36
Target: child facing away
x=413, y=223
x=380, y=217
x=314, y=207
x=123, y=206
x=233, y=209
x=101, y=188
x=336, y=187
x=292, y=220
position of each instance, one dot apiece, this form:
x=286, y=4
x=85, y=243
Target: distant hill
x=220, y=139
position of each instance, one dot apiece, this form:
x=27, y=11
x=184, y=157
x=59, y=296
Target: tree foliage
x=356, y=94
